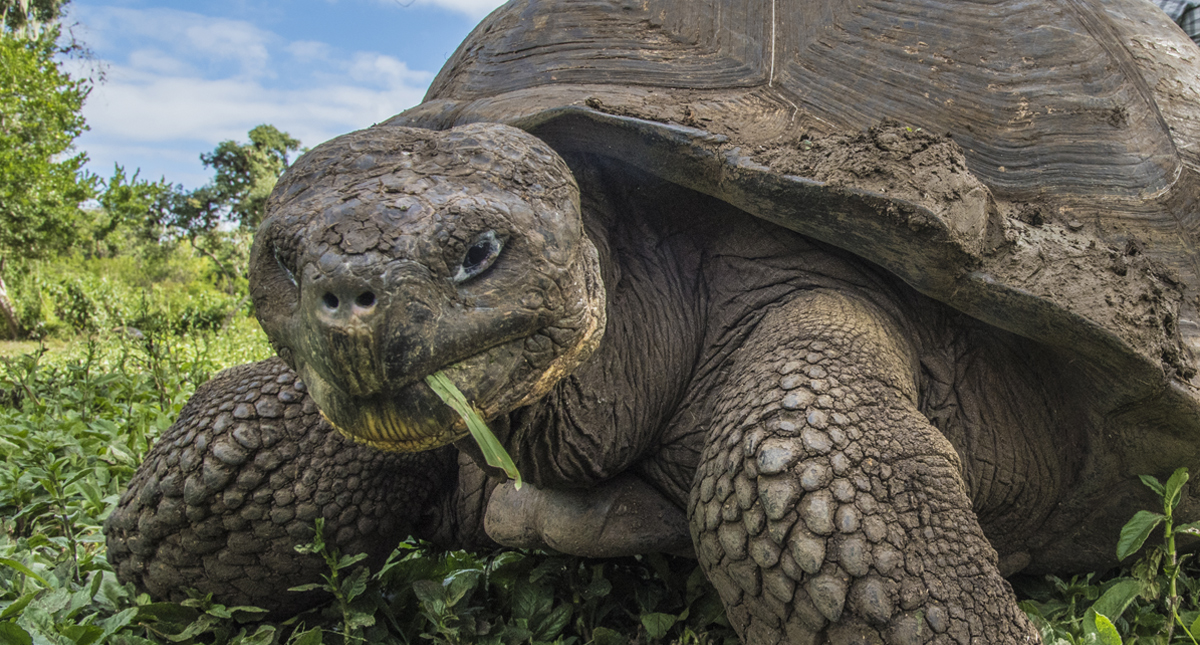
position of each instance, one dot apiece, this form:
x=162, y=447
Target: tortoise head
x=392, y=253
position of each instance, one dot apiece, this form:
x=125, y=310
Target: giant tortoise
x=868, y=305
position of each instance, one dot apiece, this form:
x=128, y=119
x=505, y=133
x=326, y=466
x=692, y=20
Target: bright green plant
x=493, y=452
x=1143, y=604
x=345, y=582
x=1135, y=533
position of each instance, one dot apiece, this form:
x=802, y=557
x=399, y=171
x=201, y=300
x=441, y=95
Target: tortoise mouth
x=412, y=417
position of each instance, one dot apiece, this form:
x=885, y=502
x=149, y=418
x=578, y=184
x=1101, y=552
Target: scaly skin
x=779, y=390
x=227, y=493
x=833, y=511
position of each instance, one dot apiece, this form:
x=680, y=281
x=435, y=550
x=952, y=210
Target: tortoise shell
x=1032, y=164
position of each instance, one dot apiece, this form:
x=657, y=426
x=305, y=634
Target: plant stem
x=1172, y=574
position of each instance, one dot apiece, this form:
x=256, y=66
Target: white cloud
x=307, y=51
x=228, y=39
x=183, y=32
x=156, y=60
x=471, y=8
x=378, y=69
x=193, y=81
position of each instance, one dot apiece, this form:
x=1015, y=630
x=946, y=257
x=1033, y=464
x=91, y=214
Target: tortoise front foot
x=833, y=511
x=227, y=493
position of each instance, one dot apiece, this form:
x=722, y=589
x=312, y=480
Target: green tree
x=198, y=217
x=217, y=218
x=246, y=172
x=29, y=17
x=125, y=201
x=42, y=182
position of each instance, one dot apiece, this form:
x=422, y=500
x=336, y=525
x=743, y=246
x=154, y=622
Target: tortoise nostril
x=365, y=299
x=330, y=300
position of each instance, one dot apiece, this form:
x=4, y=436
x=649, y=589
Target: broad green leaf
x=460, y=583
x=356, y=618
x=13, y=564
x=1119, y=596
x=551, y=625
x=494, y=453
x=1154, y=484
x=1106, y=630
x=1174, y=487
x=606, y=636
x=597, y=588
x=202, y=624
x=310, y=637
x=167, y=612
x=264, y=635
x=1135, y=532
x=532, y=600
x=658, y=624
x=356, y=584
x=349, y=560
x=248, y=609
x=114, y=623
x=1191, y=528
x=18, y=605
x=430, y=592
x=82, y=634
x=12, y=634
x=219, y=610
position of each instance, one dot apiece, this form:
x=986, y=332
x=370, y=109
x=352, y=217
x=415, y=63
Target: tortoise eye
x=479, y=256
x=284, y=264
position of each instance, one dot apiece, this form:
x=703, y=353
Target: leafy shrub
x=509, y=597
x=175, y=293
x=74, y=425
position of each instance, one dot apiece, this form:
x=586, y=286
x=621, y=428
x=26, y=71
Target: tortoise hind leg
x=831, y=510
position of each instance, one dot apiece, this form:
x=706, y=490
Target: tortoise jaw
x=412, y=418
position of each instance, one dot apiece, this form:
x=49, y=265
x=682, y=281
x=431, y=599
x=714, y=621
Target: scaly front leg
x=826, y=508
x=238, y=481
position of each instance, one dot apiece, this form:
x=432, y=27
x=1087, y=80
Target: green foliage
x=245, y=173
x=125, y=204
x=76, y=420
x=174, y=292
x=215, y=218
x=74, y=425
x=510, y=597
x=28, y=17
x=41, y=183
x=1141, y=605
x=346, y=585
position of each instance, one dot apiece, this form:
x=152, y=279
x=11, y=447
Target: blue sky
x=182, y=76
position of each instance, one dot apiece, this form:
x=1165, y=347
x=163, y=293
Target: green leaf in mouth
x=493, y=452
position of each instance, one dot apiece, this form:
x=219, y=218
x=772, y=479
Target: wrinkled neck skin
x=688, y=277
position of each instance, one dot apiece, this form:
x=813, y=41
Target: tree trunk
x=6, y=307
